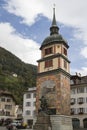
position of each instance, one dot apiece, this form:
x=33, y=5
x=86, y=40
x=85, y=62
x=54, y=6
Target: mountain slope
x=15, y=75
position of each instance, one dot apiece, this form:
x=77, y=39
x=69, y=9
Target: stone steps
x=80, y=129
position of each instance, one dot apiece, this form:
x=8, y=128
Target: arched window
x=76, y=123
x=85, y=123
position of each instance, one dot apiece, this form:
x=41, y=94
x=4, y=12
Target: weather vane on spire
x=54, y=8
x=54, y=5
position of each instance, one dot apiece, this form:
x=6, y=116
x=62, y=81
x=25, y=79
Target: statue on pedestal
x=44, y=106
x=43, y=118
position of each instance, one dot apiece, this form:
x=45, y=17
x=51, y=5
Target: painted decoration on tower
x=48, y=91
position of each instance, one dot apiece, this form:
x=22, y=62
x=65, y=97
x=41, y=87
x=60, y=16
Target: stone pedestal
x=61, y=122
x=42, y=122
x=52, y=122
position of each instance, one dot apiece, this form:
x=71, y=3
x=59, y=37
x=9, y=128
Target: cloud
x=28, y=10
x=71, y=13
x=25, y=49
x=84, y=52
x=68, y=12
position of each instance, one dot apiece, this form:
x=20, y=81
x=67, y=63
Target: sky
x=24, y=24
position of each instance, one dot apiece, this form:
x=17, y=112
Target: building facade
x=7, y=105
x=29, y=109
x=79, y=101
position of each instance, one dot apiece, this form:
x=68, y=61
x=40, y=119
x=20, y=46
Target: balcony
x=72, y=103
x=72, y=112
x=80, y=100
x=81, y=112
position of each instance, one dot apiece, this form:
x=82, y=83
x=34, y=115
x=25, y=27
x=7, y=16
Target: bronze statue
x=43, y=104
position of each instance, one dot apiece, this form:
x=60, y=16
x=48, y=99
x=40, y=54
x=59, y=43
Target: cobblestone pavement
x=4, y=128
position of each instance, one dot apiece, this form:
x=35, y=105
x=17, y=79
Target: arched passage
x=85, y=123
x=76, y=123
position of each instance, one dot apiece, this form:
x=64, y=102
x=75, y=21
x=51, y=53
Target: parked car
x=13, y=125
x=22, y=126
x=16, y=125
x=7, y=121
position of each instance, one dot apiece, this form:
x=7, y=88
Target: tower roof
x=54, y=34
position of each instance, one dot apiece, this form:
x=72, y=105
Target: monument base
x=61, y=122
x=52, y=122
x=43, y=122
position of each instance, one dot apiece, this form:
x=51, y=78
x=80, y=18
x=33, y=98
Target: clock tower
x=53, y=79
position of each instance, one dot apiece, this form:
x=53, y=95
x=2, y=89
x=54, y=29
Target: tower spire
x=54, y=19
x=54, y=28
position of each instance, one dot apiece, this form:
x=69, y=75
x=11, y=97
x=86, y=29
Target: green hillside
x=15, y=75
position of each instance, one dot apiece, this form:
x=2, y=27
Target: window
x=80, y=90
x=71, y=82
x=72, y=111
x=48, y=63
x=34, y=95
x=48, y=51
x=80, y=100
x=72, y=101
x=73, y=91
x=7, y=113
x=8, y=100
x=8, y=106
x=80, y=110
x=28, y=95
x=65, y=64
x=34, y=113
x=86, y=89
x=3, y=99
x=28, y=103
x=64, y=51
x=28, y=112
x=34, y=103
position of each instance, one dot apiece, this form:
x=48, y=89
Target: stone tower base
x=61, y=122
